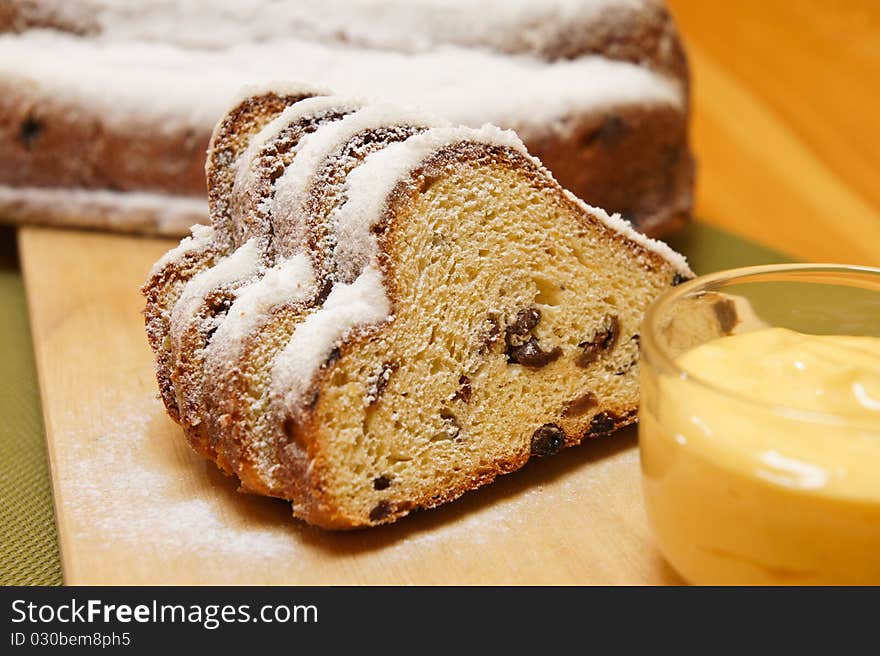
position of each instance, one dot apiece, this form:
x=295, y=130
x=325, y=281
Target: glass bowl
x=739, y=488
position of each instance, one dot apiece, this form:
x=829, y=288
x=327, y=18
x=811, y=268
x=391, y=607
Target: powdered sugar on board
x=126, y=494
x=143, y=500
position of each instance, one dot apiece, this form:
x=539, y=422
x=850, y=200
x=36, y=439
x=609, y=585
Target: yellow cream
x=764, y=467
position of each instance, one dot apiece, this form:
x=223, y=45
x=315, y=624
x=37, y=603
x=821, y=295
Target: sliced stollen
x=482, y=315
x=417, y=309
x=270, y=153
x=261, y=320
x=598, y=89
x=252, y=108
x=206, y=298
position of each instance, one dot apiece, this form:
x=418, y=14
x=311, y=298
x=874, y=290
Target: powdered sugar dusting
x=369, y=185
x=618, y=224
x=468, y=86
x=201, y=238
x=260, y=145
x=277, y=87
x=243, y=263
x=409, y=25
x=316, y=149
x=363, y=302
x=290, y=281
x=270, y=149
x=128, y=211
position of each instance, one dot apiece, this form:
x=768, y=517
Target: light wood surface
x=134, y=505
x=786, y=127
x=784, y=101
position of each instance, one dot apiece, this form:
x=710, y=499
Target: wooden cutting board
x=784, y=128
x=135, y=506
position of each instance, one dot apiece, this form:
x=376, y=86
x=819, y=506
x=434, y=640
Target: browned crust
x=188, y=350
x=230, y=139
x=224, y=389
x=162, y=290
x=47, y=142
x=163, y=285
x=300, y=451
x=21, y=15
x=643, y=169
x=249, y=219
x=647, y=175
x=321, y=201
x=187, y=370
x=632, y=160
x=643, y=35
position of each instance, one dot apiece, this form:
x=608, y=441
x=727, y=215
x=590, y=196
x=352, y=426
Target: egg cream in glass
x=760, y=426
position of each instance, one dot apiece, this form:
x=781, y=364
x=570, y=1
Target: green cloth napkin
x=28, y=539
x=28, y=542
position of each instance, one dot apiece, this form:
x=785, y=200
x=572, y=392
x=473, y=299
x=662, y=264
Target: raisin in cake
x=597, y=89
x=407, y=310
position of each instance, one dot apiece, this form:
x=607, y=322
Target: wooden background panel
x=786, y=99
